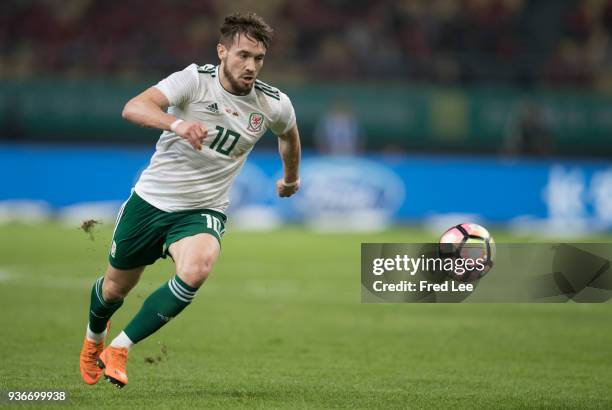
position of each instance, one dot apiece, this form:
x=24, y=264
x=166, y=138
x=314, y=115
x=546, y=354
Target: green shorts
x=144, y=233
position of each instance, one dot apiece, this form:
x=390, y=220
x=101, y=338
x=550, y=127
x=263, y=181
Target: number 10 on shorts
x=213, y=223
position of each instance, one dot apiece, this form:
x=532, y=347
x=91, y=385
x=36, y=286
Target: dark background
x=512, y=77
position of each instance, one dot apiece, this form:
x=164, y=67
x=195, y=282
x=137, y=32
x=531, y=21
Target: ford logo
x=250, y=186
x=348, y=186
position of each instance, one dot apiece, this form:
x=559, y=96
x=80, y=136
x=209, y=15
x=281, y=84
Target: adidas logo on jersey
x=213, y=108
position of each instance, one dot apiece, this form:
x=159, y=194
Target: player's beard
x=237, y=88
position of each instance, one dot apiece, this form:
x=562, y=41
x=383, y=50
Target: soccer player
x=211, y=117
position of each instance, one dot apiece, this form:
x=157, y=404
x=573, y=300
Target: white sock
x=122, y=341
x=95, y=337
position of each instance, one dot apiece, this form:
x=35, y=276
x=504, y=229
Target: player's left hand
x=286, y=190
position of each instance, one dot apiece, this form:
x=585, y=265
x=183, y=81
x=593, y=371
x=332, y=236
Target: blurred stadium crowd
x=514, y=42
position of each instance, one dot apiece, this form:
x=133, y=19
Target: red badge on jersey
x=255, y=121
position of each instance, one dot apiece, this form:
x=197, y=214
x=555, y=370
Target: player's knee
x=112, y=291
x=196, y=272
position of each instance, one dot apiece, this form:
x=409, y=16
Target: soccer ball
x=465, y=242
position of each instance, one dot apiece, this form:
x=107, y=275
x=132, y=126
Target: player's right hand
x=193, y=132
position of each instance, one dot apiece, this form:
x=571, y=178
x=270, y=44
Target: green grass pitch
x=279, y=324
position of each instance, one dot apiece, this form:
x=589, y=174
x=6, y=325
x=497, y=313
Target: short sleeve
x=180, y=87
x=286, y=116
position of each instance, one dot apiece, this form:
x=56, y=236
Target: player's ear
x=221, y=51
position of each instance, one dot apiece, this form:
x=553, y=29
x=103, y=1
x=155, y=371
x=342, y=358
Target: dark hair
x=249, y=24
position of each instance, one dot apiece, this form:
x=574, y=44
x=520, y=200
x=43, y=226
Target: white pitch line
x=5, y=276
x=44, y=281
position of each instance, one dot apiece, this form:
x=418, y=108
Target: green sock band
x=100, y=311
x=161, y=306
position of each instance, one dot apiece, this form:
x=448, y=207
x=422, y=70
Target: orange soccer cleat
x=90, y=352
x=113, y=360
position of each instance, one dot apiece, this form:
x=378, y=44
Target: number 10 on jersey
x=220, y=143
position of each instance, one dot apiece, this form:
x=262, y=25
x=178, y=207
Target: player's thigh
x=195, y=257
x=118, y=282
x=139, y=234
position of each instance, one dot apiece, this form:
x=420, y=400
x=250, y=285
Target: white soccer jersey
x=181, y=178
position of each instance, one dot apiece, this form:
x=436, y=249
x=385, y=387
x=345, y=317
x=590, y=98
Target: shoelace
x=119, y=354
x=93, y=348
